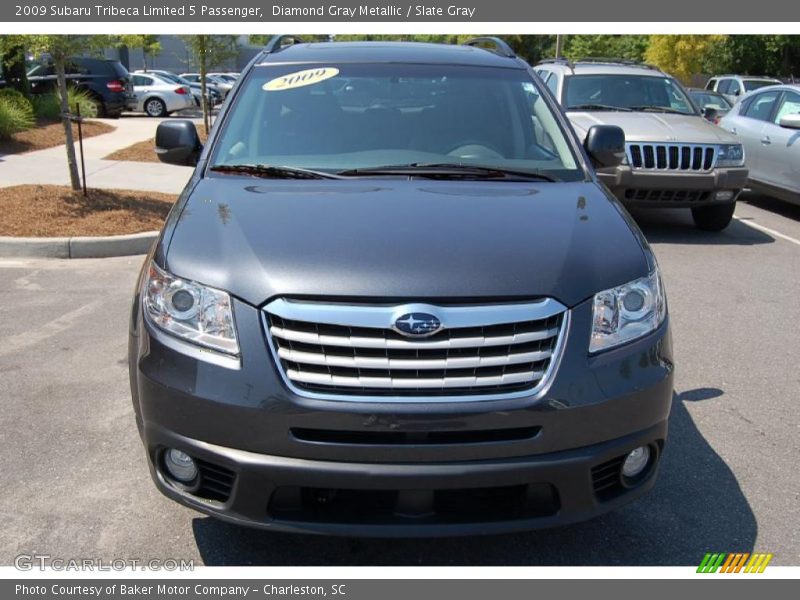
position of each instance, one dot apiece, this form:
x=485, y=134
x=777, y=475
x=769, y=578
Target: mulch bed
x=142, y=151
x=57, y=211
x=47, y=134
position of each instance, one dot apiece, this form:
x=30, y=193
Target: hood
x=403, y=239
x=654, y=127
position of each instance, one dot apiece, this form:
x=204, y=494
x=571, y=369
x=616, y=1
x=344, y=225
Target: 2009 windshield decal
x=300, y=79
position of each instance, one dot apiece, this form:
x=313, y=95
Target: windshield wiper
x=664, y=109
x=599, y=107
x=272, y=172
x=448, y=171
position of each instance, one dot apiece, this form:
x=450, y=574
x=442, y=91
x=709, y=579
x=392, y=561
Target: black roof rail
x=617, y=61
x=277, y=42
x=498, y=45
x=557, y=61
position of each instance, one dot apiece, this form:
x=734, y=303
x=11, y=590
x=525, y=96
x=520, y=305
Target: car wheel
x=99, y=109
x=713, y=218
x=155, y=108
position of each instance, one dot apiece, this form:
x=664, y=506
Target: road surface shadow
x=697, y=506
x=675, y=226
x=779, y=207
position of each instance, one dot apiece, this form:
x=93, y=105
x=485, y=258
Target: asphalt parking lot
x=74, y=481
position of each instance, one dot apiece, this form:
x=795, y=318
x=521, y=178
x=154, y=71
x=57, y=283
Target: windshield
x=757, y=84
x=625, y=92
x=361, y=116
x=172, y=77
x=704, y=99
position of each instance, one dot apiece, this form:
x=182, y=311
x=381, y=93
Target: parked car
x=419, y=315
x=768, y=124
x=222, y=86
x=713, y=105
x=157, y=96
x=106, y=81
x=227, y=77
x=674, y=157
x=214, y=95
x=733, y=86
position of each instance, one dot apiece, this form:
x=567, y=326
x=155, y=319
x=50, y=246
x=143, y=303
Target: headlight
x=627, y=312
x=188, y=310
x=730, y=155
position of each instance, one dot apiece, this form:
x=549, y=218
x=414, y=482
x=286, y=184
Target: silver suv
x=734, y=86
x=674, y=157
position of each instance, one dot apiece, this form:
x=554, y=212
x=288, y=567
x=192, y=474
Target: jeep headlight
x=196, y=313
x=730, y=155
x=627, y=312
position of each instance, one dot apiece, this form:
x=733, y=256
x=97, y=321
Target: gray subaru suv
x=395, y=300
x=674, y=157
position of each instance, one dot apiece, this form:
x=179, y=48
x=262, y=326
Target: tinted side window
x=711, y=83
x=790, y=105
x=724, y=86
x=552, y=84
x=760, y=107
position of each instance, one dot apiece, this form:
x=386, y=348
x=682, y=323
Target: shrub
x=48, y=106
x=14, y=118
x=17, y=98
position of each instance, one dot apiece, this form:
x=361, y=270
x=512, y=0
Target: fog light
x=636, y=461
x=180, y=465
x=724, y=195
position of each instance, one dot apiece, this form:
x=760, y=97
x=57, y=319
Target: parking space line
x=777, y=234
x=15, y=343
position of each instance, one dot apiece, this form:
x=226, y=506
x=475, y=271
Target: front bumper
x=670, y=189
x=408, y=500
x=251, y=433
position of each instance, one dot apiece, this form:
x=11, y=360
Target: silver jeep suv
x=674, y=157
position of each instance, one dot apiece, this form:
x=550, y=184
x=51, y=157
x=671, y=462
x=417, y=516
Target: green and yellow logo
x=734, y=562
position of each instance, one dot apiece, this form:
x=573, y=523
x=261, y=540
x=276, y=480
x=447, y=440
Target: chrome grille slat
x=412, y=383
x=650, y=156
x=468, y=362
x=352, y=352
x=397, y=344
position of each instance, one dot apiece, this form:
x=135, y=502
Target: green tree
x=681, y=55
x=209, y=51
x=148, y=44
x=59, y=49
x=773, y=55
x=12, y=62
x=628, y=47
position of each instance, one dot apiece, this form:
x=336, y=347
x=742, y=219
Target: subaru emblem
x=417, y=324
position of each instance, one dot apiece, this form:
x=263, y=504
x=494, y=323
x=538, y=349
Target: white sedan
x=158, y=97
x=768, y=123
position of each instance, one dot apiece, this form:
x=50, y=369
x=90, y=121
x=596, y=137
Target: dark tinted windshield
x=171, y=77
x=703, y=99
x=756, y=84
x=625, y=92
x=357, y=116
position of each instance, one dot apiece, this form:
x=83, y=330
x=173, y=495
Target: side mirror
x=605, y=145
x=177, y=143
x=790, y=121
x=710, y=112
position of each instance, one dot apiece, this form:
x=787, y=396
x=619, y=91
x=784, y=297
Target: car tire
x=155, y=107
x=715, y=217
x=99, y=109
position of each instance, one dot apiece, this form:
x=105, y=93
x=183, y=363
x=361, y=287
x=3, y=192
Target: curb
x=77, y=247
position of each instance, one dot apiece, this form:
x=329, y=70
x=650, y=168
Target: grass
x=57, y=211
